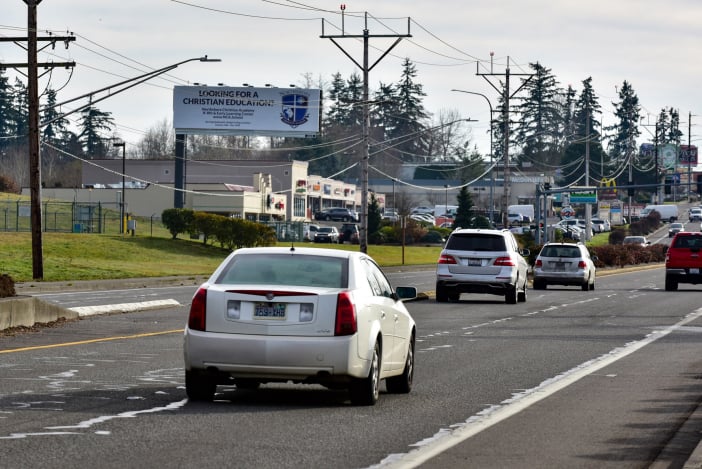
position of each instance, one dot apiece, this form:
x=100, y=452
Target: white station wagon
x=301, y=315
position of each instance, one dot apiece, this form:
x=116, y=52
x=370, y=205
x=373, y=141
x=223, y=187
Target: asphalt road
x=609, y=378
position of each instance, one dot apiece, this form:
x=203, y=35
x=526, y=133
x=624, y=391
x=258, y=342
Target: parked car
x=301, y=315
x=349, y=233
x=422, y=210
x=675, y=228
x=308, y=232
x=327, y=234
x=337, y=214
x=390, y=215
x=636, y=240
x=515, y=218
x=482, y=261
x=603, y=226
x=683, y=263
x=564, y=264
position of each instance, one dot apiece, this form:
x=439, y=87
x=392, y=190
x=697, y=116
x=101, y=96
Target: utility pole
x=363, y=235
x=32, y=75
x=506, y=96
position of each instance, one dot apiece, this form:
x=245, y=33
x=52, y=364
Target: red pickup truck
x=683, y=261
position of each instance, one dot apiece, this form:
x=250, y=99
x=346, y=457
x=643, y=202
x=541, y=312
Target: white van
x=667, y=212
x=526, y=211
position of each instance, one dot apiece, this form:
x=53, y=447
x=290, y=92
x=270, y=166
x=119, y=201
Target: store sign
x=583, y=195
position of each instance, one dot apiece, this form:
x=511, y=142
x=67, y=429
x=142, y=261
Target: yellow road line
x=91, y=341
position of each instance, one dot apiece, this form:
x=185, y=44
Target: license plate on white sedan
x=269, y=311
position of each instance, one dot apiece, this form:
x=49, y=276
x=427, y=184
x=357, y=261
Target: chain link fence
x=62, y=217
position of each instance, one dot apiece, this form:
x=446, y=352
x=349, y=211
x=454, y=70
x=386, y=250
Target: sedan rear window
x=276, y=269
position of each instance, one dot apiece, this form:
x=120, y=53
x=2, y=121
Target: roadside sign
x=567, y=212
x=583, y=195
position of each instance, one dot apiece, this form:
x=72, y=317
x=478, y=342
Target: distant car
x=636, y=240
x=308, y=232
x=675, y=228
x=564, y=264
x=696, y=214
x=349, y=233
x=482, y=261
x=603, y=226
x=422, y=210
x=327, y=234
x=683, y=263
x=515, y=218
x=390, y=215
x=337, y=214
x=300, y=315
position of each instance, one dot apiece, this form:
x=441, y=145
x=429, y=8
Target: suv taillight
x=504, y=261
x=446, y=259
x=198, y=310
x=582, y=265
x=538, y=263
x=345, y=315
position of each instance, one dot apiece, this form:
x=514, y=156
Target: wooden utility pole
x=32, y=67
x=363, y=232
x=506, y=96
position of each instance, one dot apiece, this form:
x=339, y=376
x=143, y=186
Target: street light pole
x=492, y=173
x=122, y=202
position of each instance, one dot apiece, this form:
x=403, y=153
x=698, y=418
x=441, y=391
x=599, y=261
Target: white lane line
x=123, y=307
x=447, y=438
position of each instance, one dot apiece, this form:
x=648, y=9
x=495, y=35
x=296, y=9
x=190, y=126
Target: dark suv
x=336, y=214
x=349, y=232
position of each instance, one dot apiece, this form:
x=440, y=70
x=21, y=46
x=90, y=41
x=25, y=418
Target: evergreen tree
x=464, y=211
x=625, y=130
x=374, y=217
x=407, y=131
x=540, y=119
x=584, y=125
x=7, y=112
x=95, y=123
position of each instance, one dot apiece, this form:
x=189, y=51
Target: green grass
x=69, y=256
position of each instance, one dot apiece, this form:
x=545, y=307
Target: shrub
x=616, y=236
x=7, y=286
x=177, y=220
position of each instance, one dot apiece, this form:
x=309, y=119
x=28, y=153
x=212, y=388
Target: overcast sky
x=652, y=44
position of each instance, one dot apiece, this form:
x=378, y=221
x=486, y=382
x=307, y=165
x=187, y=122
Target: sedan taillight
x=198, y=310
x=446, y=259
x=582, y=265
x=345, y=315
x=504, y=261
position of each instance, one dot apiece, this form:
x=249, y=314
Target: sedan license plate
x=694, y=271
x=269, y=311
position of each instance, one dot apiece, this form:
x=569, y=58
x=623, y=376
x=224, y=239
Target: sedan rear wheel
x=402, y=384
x=365, y=391
x=199, y=387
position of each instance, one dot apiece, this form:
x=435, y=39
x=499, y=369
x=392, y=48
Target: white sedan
x=302, y=315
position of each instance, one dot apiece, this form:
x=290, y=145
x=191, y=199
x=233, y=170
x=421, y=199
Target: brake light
x=345, y=315
x=504, y=261
x=198, y=310
x=538, y=263
x=446, y=259
x=582, y=265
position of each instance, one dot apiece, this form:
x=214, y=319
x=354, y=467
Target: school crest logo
x=295, y=109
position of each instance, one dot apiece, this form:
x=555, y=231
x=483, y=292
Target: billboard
x=222, y=110
x=688, y=155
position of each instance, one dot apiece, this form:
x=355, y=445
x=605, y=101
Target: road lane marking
x=92, y=341
x=447, y=438
x=123, y=307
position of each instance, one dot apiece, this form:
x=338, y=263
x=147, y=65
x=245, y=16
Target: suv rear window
x=560, y=251
x=688, y=242
x=475, y=242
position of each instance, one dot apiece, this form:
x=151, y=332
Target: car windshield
x=472, y=242
x=324, y=229
x=285, y=269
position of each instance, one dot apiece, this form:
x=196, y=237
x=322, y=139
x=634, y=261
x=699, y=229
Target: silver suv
x=482, y=261
x=564, y=264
